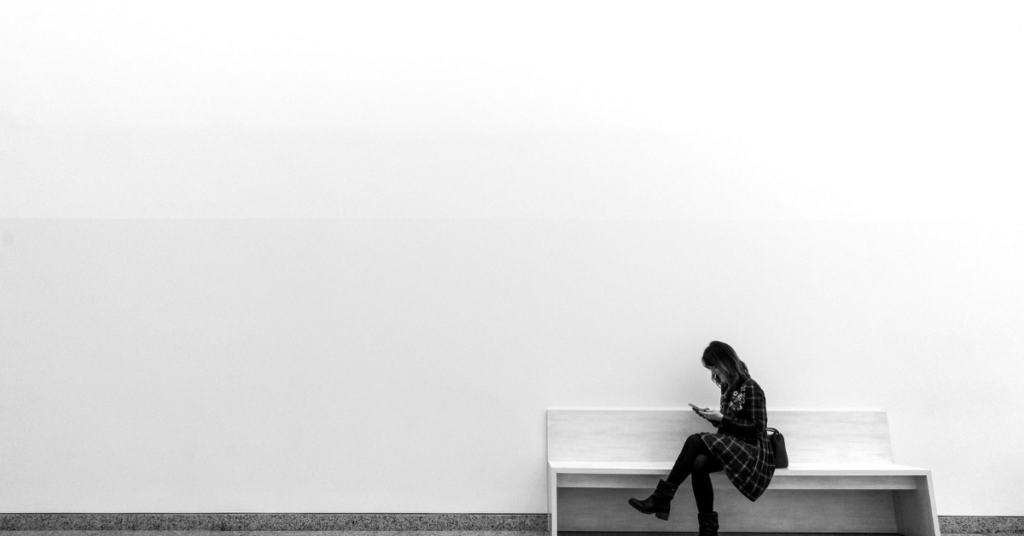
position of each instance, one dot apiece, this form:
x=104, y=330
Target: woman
x=740, y=447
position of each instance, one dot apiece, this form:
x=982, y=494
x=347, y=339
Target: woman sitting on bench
x=740, y=446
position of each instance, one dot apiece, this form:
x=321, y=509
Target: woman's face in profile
x=714, y=373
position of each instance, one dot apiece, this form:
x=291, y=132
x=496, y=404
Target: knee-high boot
x=658, y=503
x=708, y=524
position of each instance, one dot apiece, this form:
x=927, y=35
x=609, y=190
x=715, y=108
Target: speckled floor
x=387, y=533
x=381, y=525
x=266, y=533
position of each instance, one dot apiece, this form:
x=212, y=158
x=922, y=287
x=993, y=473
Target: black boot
x=708, y=524
x=658, y=503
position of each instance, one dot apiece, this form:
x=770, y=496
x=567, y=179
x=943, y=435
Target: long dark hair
x=721, y=355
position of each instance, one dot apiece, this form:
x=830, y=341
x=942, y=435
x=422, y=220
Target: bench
x=841, y=477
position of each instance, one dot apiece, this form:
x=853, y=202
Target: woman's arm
x=752, y=419
x=710, y=415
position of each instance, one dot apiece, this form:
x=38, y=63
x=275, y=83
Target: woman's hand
x=710, y=415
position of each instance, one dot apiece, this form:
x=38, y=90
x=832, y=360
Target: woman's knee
x=693, y=446
x=704, y=463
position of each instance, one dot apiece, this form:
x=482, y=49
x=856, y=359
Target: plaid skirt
x=749, y=466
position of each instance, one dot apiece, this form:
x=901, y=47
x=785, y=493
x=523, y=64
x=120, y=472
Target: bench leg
x=553, y=501
x=915, y=509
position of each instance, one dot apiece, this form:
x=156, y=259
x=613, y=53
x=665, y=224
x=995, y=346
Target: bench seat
x=807, y=476
x=597, y=459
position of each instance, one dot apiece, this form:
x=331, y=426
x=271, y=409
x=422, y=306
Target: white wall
x=501, y=208
x=787, y=110
x=383, y=365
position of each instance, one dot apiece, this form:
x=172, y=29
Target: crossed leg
x=697, y=460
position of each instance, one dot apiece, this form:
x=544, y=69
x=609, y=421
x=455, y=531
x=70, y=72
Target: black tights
x=697, y=459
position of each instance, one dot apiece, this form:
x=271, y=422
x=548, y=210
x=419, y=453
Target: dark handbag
x=778, y=444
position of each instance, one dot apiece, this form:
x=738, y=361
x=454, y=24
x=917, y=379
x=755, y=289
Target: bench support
x=915, y=509
x=553, y=501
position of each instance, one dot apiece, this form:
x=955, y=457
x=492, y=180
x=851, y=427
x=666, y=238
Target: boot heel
x=662, y=516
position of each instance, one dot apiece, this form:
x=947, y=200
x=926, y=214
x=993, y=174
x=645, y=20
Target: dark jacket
x=741, y=443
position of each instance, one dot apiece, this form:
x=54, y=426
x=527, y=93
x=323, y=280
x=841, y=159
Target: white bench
x=840, y=479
